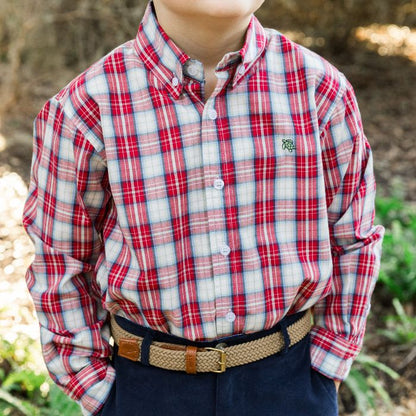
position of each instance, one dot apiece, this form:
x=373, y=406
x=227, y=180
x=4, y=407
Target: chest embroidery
x=288, y=144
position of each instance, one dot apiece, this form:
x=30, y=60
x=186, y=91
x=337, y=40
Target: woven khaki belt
x=204, y=360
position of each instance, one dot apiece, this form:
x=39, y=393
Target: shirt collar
x=166, y=60
x=252, y=50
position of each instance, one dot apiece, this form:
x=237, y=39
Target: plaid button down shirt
x=200, y=219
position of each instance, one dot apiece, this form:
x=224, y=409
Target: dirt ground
x=385, y=87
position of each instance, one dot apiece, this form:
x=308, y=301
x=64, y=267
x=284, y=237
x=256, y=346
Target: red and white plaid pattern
x=202, y=220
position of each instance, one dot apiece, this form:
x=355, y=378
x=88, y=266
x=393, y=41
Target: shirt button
x=241, y=70
x=225, y=250
x=212, y=114
x=175, y=81
x=218, y=184
x=230, y=317
x=192, y=70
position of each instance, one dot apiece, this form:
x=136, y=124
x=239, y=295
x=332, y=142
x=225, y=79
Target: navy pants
x=283, y=384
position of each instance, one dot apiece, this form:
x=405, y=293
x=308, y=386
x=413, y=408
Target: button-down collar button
x=175, y=81
x=230, y=317
x=218, y=183
x=212, y=114
x=225, y=250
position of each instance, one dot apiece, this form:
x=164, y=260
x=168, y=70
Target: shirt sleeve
x=340, y=317
x=63, y=215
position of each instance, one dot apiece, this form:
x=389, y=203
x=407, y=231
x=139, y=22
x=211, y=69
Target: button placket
x=215, y=205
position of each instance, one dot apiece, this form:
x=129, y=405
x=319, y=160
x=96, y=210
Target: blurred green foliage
x=24, y=388
x=401, y=328
x=398, y=263
x=365, y=384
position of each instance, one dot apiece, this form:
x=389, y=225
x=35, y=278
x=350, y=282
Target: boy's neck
x=207, y=41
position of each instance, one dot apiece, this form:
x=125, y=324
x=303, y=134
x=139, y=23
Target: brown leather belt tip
x=204, y=360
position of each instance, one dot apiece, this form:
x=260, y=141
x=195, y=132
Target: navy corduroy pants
x=283, y=384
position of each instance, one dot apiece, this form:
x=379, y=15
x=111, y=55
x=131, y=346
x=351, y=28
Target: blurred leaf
x=401, y=328
x=24, y=381
x=369, y=361
x=359, y=388
x=60, y=404
x=24, y=407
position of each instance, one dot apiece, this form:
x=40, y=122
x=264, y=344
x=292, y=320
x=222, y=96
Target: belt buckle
x=223, y=358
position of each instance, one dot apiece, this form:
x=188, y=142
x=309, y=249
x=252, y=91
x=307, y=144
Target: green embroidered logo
x=288, y=144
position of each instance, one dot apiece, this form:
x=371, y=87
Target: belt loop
x=286, y=337
x=145, y=348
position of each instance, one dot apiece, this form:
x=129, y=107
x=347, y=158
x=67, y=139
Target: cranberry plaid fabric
x=200, y=219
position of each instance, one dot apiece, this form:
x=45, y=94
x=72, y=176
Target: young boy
x=206, y=185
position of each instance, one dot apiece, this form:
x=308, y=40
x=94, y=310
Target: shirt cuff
x=331, y=354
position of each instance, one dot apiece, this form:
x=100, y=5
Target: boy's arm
x=64, y=210
x=340, y=317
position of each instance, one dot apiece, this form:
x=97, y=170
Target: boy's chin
x=220, y=9
x=230, y=8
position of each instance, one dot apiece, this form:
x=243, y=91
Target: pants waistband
x=200, y=358
x=159, y=336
